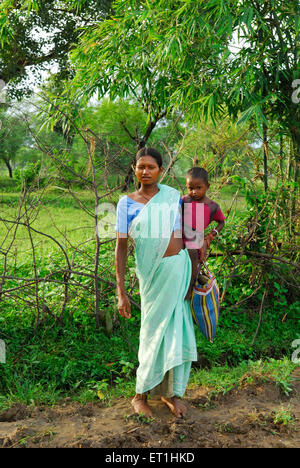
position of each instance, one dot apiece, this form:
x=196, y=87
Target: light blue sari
x=167, y=339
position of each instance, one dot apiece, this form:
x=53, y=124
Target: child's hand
x=203, y=251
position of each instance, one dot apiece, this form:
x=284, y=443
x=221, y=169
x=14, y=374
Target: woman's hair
x=198, y=173
x=149, y=152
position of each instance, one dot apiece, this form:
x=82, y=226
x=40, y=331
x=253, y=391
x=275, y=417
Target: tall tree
x=13, y=135
x=219, y=148
x=203, y=57
x=116, y=59
x=37, y=35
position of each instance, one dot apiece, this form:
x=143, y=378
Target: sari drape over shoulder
x=167, y=339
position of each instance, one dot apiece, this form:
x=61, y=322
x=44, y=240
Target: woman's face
x=147, y=170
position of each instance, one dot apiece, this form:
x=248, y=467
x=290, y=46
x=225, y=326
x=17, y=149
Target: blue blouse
x=128, y=209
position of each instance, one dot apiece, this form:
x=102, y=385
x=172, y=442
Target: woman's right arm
x=124, y=306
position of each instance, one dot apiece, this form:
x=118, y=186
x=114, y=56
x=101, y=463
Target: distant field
x=60, y=215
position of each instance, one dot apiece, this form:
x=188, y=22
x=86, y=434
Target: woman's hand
x=124, y=306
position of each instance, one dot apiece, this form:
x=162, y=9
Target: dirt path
x=241, y=418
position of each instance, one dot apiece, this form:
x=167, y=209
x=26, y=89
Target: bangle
x=217, y=232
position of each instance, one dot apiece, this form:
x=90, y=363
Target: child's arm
x=218, y=228
x=209, y=237
x=193, y=253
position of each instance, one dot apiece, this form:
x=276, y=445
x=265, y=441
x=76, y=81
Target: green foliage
x=22, y=46
x=28, y=176
x=222, y=148
x=222, y=379
x=200, y=58
x=13, y=135
x=56, y=361
x=139, y=49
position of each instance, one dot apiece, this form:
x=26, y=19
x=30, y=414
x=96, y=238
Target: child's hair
x=149, y=152
x=198, y=173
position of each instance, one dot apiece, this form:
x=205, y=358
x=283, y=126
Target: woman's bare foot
x=176, y=406
x=140, y=405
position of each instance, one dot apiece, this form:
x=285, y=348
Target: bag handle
x=205, y=266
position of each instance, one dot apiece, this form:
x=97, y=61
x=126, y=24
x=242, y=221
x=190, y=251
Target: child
x=197, y=186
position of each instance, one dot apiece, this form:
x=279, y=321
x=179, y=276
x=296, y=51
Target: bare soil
x=243, y=417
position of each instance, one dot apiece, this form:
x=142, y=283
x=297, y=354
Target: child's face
x=196, y=188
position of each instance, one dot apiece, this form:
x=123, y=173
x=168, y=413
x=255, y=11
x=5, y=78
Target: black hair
x=149, y=152
x=198, y=173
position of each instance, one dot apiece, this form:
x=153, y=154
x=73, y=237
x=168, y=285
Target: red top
x=196, y=216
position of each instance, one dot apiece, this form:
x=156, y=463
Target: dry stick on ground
x=36, y=289
x=226, y=253
x=260, y=314
x=244, y=300
x=30, y=282
x=90, y=149
x=258, y=255
x=5, y=253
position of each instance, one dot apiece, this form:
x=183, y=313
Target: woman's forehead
x=146, y=160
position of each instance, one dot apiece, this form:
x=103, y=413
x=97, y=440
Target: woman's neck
x=148, y=189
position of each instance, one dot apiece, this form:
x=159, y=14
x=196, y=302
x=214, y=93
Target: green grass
x=217, y=380
x=222, y=379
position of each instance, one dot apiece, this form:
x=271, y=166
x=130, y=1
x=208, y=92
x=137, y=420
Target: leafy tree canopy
x=206, y=56
x=36, y=35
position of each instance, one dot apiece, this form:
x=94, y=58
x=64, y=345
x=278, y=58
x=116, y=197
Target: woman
x=151, y=217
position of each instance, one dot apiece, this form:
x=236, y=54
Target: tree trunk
x=281, y=156
x=7, y=163
x=295, y=132
x=128, y=179
x=266, y=153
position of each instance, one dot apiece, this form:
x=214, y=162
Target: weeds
x=284, y=417
x=139, y=418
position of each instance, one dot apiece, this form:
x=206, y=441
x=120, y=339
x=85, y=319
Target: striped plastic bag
x=205, y=303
